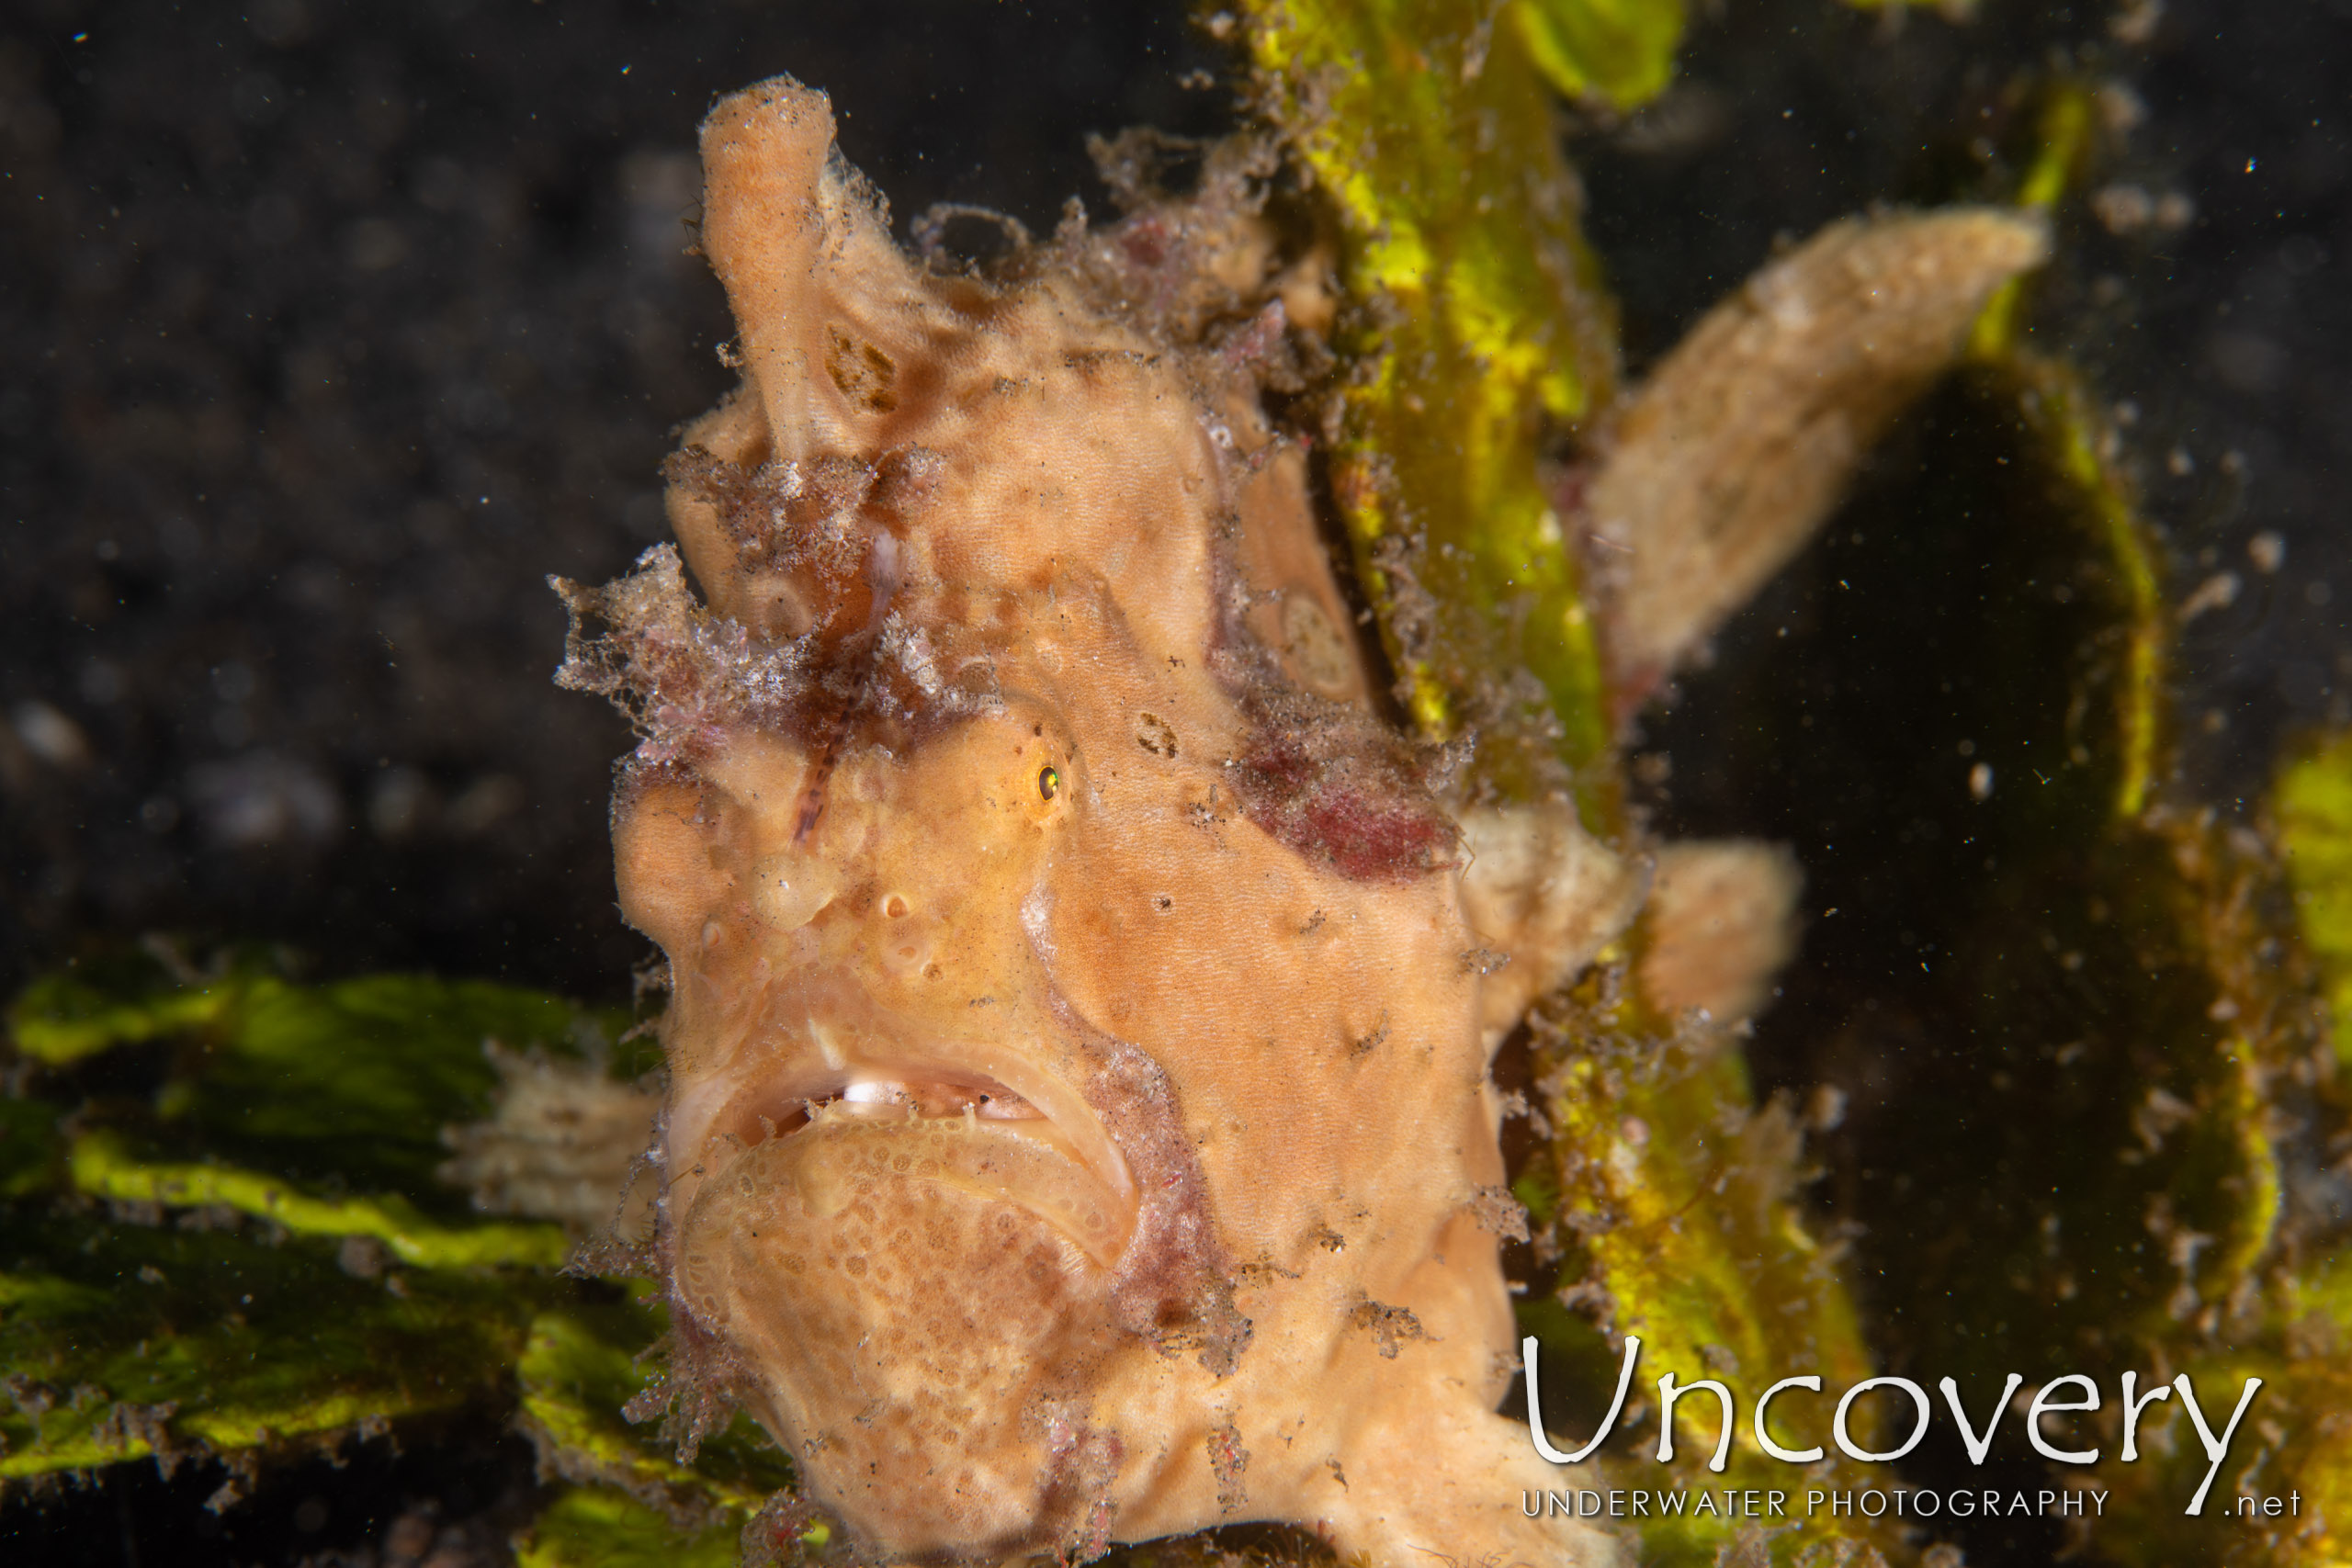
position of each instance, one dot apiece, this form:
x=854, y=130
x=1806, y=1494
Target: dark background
x=329, y=333
x=326, y=332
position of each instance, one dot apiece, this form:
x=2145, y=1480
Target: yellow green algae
x=2060, y=150
x=2069, y=429
x=104, y=1167
x=593, y=1528
x=2313, y=809
x=1618, y=53
x=1669, y=1198
x=2226, y=1282
x=138, y=1341
x=1475, y=328
x=2116, y=962
x=184, y=1283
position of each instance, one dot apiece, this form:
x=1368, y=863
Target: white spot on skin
x=830, y=1048
x=1036, y=918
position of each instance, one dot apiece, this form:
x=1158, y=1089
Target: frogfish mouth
x=1079, y=1126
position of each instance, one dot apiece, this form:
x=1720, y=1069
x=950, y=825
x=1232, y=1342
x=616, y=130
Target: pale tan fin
x=1738, y=446
x=1723, y=920
x=1541, y=890
x=564, y=1139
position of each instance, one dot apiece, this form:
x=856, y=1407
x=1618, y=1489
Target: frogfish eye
x=1049, y=782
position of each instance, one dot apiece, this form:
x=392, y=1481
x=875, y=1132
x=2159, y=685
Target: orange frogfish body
x=1078, y=1125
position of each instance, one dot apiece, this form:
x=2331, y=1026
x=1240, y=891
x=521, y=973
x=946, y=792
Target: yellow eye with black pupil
x=1049, y=783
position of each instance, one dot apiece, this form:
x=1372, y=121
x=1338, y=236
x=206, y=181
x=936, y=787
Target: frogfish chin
x=1078, y=1127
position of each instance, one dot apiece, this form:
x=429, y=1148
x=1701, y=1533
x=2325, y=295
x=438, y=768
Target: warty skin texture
x=1078, y=1125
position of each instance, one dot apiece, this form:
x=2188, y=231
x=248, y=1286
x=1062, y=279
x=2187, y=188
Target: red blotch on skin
x=1368, y=840
x=1367, y=818
x=1147, y=242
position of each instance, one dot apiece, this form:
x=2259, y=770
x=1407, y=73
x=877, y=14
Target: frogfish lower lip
x=848, y=1150
x=894, y=1285
x=901, y=1256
